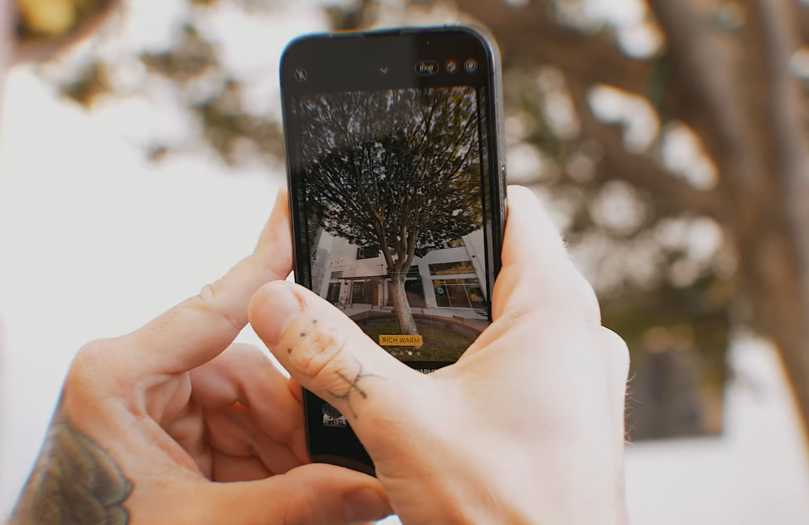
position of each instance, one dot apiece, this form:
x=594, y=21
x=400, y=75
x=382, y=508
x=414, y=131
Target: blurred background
x=670, y=139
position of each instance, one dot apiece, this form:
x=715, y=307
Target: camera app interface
x=394, y=214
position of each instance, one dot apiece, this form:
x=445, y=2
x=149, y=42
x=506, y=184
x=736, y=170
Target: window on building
x=453, y=268
x=458, y=293
x=361, y=292
x=414, y=289
x=475, y=294
x=367, y=253
x=333, y=295
x=441, y=297
x=413, y=273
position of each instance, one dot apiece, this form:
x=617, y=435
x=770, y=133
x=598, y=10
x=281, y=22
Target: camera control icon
x=471, y=66
x=332, y=418
x=427, y=68
x=301, y=75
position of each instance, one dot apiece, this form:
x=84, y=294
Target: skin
x=526, y=428
x=166, y=415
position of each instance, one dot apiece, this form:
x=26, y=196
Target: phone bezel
x=332, y=62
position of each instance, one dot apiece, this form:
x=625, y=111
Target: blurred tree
x=673, y=140
x=723, y=73
x=46, y=27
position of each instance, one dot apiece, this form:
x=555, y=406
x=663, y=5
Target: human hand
x=526, y=428
x=161, y=426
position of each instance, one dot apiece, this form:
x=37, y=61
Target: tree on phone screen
x=397, y=171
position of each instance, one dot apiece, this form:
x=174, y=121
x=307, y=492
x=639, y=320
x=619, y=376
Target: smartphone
x=396, y=175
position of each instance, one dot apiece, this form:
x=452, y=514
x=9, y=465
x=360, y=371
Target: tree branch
x=670, y=193
x=39, y=50
x=530, y=35
x=707, y=65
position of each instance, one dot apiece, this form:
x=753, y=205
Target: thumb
x=308, y=495
x=331, y=356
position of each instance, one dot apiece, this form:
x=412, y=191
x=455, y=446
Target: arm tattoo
x=74, y=482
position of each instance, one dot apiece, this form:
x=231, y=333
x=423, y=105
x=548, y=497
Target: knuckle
x=568, y=296
x=90, y=364
x=300, y=509
x=316, y=354
x=248, y=352
x=328, y=370
x=89, y=354
x=518, y=321
x=520, y=192
x=208, y=302
x=390, y=427
x=618, y=352
x=585, y=299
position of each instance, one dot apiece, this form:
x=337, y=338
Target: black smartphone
x=396, y=175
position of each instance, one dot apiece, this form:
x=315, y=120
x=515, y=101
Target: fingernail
x=365, y=505
x=272, y=308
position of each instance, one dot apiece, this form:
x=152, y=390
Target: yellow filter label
x=416, y=341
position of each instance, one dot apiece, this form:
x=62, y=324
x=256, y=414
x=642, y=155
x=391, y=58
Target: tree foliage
x=394, y=170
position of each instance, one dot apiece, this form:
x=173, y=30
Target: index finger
x=201, y=327
x=537, y=272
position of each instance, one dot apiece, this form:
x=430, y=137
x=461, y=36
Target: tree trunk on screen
x=401, y=305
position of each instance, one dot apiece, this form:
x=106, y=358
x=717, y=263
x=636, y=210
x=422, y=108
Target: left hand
x=164, y=426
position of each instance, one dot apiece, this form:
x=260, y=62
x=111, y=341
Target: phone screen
x=393, y=202
x=395, y=189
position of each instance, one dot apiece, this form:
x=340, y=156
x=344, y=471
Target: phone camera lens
x=452, y=66
x=471, y=66
x=301, y=75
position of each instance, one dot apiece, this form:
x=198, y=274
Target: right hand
x=526, y=428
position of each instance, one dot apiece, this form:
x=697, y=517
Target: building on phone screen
x=446, y=282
